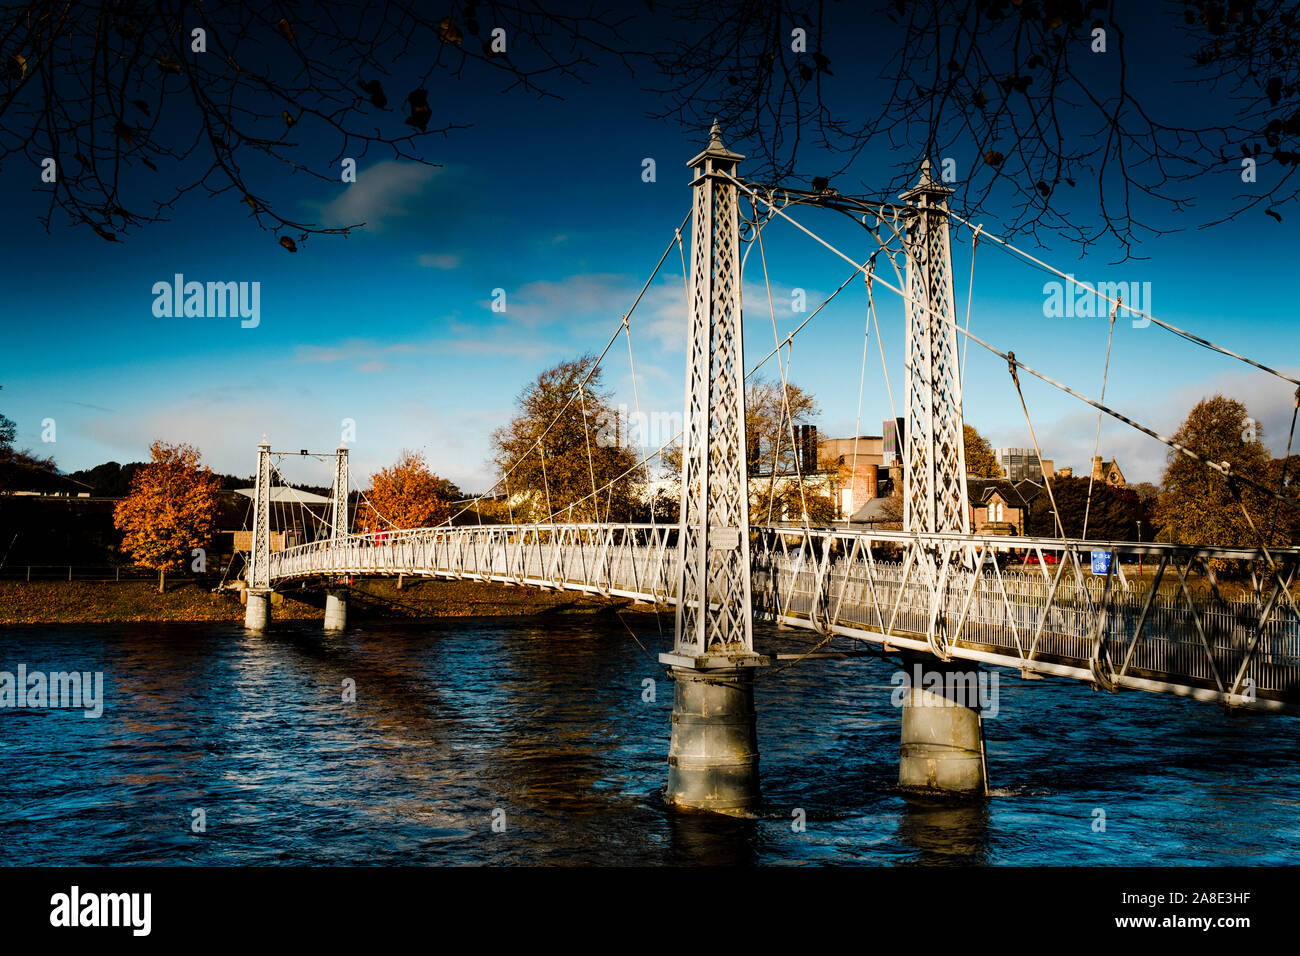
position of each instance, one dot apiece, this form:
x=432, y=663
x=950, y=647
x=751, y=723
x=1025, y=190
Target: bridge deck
x=944, y=594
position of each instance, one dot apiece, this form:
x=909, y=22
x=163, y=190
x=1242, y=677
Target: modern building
x=1020, y=464
x=862, y=472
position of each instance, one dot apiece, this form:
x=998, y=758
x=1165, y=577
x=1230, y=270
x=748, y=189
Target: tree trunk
x=162, y=581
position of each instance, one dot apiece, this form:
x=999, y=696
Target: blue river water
x=543, y=726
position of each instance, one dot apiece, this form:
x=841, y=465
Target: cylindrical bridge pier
x=257, y=609
x=713, y=753
x=942, y=750
x=336, y=609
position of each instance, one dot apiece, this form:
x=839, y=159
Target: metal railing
x=954, y=596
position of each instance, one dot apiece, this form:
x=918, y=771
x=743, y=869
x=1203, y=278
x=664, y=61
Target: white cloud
x=436, y=260
x=385, y=191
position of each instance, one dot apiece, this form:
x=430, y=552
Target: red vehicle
x=1049, y=557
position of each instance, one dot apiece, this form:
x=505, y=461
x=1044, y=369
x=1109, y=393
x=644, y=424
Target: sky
x=392, y=327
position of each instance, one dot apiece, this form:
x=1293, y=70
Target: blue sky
x=392, y=326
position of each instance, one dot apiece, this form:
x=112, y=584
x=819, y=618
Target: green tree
x=563, y=441
x=17, y=467
x=980, y=461
x=1198, y=505
x=1112, y=516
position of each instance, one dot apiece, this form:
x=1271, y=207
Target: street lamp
x=1139, y=522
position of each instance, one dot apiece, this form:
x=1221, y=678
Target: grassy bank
x=103, y=602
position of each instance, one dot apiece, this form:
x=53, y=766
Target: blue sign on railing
x=1101, y=562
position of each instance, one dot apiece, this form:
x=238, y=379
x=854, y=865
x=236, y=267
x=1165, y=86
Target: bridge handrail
x=1000, y=542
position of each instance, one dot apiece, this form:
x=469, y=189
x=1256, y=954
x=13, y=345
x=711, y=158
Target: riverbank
x=109, y=602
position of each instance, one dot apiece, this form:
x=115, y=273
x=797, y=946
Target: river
x=543, y=728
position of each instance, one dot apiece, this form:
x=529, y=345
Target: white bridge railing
x=1030, y=603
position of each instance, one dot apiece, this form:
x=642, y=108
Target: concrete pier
x=713, y=753
x=942, y=751
x=257, y=610
x=336, y=609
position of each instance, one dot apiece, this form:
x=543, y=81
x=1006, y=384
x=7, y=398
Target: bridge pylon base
x=336, y=609
x=257, y=610
x=713, y=753
x=942, y=750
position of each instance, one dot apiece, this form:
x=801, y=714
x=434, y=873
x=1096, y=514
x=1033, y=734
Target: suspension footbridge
x=934, y=592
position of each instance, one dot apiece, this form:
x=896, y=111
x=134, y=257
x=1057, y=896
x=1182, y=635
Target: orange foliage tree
x=408, y=495
x=170, y=511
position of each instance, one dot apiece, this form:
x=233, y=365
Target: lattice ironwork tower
x=259, y=560
x=714, y=607
x=934, y=462
x=339, y=517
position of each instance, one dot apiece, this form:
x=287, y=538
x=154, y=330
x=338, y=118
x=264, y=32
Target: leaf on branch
x=994, y=158
x=123, y=131
x=1044, y=189
x=375, y=90
x=288, y=120
x=448, y=32
x=253, y=204
x=104, y=234
x=148, y=162
x=169, y=64
x=805, y=71
x=1274, y=213
x=288, y=243
x=1274, y=90
x=16, y=67
x=142, y=106
x=981, y=99
x=420, y=111
x=823, y=63
x=286, y=30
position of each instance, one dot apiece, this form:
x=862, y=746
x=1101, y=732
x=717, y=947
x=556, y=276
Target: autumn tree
x=170, y=511
x=1198, y=504
x=980, y=460
x=773, y=419
x=563, y=443
x=782, y=500
x=406, y=495
x=770, y=413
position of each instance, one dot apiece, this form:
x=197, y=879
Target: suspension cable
x=1015, y=378
x=594, y=365
x=1096, y=441
x=1183, y=333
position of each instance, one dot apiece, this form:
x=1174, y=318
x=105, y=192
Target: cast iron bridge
x=1046, y=606
x=956, y=596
